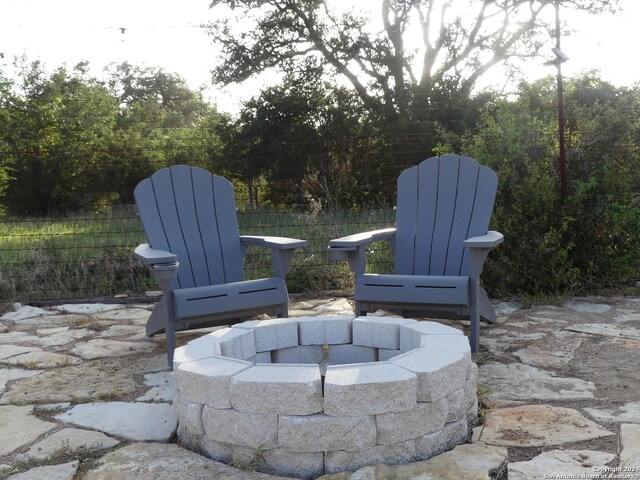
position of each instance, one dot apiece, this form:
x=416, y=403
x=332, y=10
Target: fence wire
x=90, y=255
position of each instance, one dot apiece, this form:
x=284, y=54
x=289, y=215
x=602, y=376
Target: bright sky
x=165, y=33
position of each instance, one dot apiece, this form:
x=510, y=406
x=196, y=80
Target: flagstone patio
x=85, y=395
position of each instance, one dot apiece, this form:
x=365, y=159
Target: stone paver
x=477, y=462
x=506, y=308
x=102, y=348
x=65, y=471
x=23, y=312
x=108, y=358
x=515, y=382
x=339, y=306
x=8, y=374
x=138, y=316
x=625, y=413
x=553, y=351
x=630, y=454
x=68, y=440
x=43, y=360
x=587, y=307
x=133, y=421
x=143, y=461
x=121, y=330
x=545, y=425
x=17, y=337
x=606, y=329
x=162, y=387
x=8, y=351
x=18, y=427
x=553, y=464
x=62, y=337
x=81, y=382
x=625, y=315
x=87, y=308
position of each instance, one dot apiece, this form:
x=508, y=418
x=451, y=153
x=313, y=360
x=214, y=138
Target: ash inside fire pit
x=314, y=395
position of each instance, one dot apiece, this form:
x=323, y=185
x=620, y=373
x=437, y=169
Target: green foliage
x=57, y=127
x=74, y=142
x=71, y=256
x=299, y=144
x=591, y=240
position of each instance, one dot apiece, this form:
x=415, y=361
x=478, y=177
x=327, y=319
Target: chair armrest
x=351, y=242
x=352, y=248
x=490, y=240
x=280, y=243
x=479, y=249
x=281, y=250
x=165, y=264
x=151, y=256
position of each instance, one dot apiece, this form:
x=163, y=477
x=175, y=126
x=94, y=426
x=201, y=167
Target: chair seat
x=417, y=289
x=229, y=297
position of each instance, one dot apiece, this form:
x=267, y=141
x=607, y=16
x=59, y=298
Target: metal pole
x=562, y=166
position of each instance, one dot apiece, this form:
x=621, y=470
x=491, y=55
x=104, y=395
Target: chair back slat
x=441, y=202
x=406, y=214
x=183, y=210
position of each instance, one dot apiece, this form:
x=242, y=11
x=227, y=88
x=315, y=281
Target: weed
x=108, y=396
x=47, y=413
x=597, y=338
x=251, y=465
x=483, y=403
x=31, y=365
x=108, y=367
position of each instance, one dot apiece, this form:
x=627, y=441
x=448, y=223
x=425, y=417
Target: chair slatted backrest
x=191, y=213
x=441, y=202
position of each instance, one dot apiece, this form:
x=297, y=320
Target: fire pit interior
x=308, y=396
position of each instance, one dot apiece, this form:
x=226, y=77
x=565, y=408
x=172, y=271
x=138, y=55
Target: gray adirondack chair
x=189, y=217
x=440, y=243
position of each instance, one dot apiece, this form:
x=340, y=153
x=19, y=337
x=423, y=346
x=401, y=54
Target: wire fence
x=90, y=255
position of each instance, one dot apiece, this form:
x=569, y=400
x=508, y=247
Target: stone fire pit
x=313, y=395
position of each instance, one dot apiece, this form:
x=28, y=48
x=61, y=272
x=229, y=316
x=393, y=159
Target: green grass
x=90, y=255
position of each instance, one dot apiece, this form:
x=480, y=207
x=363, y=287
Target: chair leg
x=359, y=311
x=474, y=317
x=157, y=319
x=170, y=329
x=285, y=311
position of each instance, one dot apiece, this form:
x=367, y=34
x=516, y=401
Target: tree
x=158, y=124
x=58, y=128
x=460, y=40
x=75, y=142
x=5, y=151
x=303, y=140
